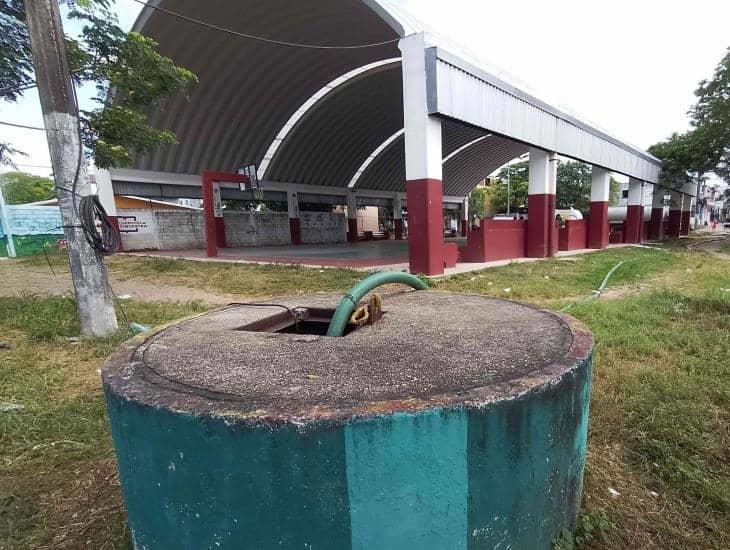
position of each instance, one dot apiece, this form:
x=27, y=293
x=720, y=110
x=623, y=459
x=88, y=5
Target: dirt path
x=16, y=279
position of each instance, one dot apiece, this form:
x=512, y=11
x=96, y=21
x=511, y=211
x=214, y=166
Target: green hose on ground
x=349, y=302
x=596, y=293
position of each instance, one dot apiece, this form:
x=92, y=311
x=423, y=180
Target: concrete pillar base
x=598, y=225
x=425, y=226
x=398, y=229
x=674, y=223
x=634, y=221
x=684, y=231
x=351, y=230
x=656, y=229
x=540, y=226
x=295, y=230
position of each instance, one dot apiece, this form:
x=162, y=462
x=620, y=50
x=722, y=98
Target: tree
x=687, y=157
x=518, y=177
x=110, y=59
x=478, y=202
x=574, y=186
x=711, y=118
x=21, y=188
x=614, y=197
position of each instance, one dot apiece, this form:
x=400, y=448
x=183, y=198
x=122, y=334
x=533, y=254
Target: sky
x=628, y=66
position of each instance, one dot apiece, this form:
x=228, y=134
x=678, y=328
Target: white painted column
x=541, y=230
x=424, y=162
x=105, y=191
x=465, y=217
x=398, y=217
x=295, y=226
x=424, y=154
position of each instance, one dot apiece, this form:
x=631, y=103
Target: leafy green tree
x=711, y=118
x=110, y=59
x=478, y=202
x=687, y=157
x=574, y=186
x=21, y=188
x=518, y=176
x=614, y=198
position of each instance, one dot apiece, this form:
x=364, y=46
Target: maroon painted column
x=656, y=229
x=465, y=217
x=215, y=229
x=541, y=228
x=295, y=224
x=398, y=229
x=635, y=212
x=598, y=214
x=398, y=217
x=352, y=231
x=425, y=226
x=211, y=232
x=686, y=215
x=674, y=223
x=424, y=161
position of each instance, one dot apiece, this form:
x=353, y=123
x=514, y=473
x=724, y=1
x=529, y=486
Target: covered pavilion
x=357, y=103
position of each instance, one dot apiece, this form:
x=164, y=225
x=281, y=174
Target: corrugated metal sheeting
x=464, y=92
x=291, y=108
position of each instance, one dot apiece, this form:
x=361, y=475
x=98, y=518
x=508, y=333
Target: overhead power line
x=24, y=126
x=261, y=38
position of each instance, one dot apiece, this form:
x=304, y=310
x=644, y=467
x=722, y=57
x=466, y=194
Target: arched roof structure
x=326, y=112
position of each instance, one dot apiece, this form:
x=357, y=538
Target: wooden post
x=94, y=298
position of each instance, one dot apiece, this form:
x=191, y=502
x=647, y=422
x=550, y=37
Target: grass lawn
x=660, y=417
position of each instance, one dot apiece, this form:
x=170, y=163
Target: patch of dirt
x=622, y=291
x=713, y=243
x=17, y=279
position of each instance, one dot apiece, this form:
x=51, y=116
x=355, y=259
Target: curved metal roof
x=324, y=117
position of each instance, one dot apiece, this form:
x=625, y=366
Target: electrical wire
x=24, y=126
x=261, y=38
x=102, y=237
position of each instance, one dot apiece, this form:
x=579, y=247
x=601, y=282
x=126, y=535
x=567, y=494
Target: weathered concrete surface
x=456, y=422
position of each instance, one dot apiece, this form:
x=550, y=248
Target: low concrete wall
x=178, y=230
x=33, y=228
x=496, y=240
x=574, y=235
x=256, y=228
x=161, y=230
x=323, y=227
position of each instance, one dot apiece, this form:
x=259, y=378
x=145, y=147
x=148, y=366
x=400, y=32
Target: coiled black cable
x=101, y=234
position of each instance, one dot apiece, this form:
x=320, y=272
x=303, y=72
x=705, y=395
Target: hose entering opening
x=349, y=302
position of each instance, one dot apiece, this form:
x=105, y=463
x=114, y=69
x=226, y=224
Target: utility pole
x=94, y=299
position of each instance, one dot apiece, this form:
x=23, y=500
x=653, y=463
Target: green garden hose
x=349, y=302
